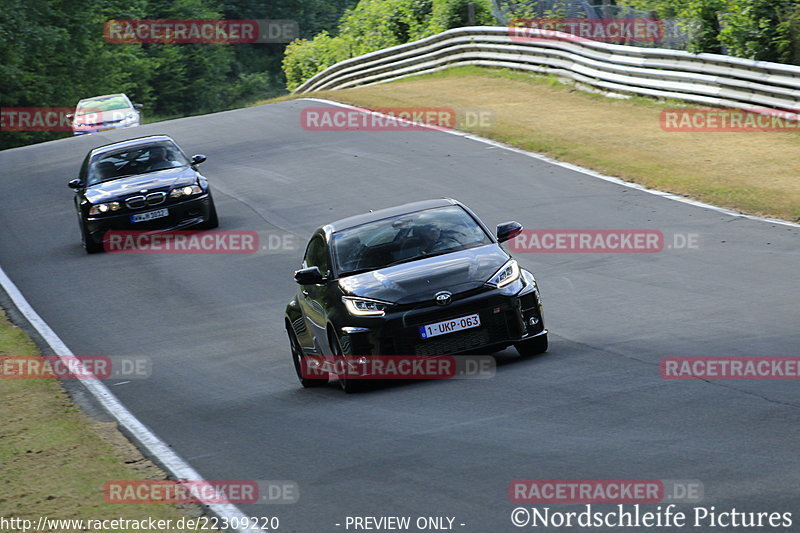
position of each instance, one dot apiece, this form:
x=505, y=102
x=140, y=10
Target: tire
x=297, y=357
x=89, y=245
x=532, y=346
x=348, y=385
x=212, y=221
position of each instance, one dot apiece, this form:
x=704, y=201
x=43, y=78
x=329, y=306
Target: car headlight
x=365, y=306
x=188, y=190
x=508, y=274
x=100, y=209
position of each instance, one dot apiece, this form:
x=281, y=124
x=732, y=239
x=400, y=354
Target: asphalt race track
x=224, y=393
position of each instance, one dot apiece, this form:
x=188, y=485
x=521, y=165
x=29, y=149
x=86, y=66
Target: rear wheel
x=532, y=346
x=299, y=359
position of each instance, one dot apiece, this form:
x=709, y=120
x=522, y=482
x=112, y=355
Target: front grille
x=494, y=328
x=135, y=202
x=498, y=325
x=154, y=198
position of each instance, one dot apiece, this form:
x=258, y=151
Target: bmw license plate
x=142, y=217
x=450, y=326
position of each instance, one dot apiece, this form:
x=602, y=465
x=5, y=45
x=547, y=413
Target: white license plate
x=450, y=326
x=142, y=217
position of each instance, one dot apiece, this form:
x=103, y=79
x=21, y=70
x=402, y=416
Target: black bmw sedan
x=421, y=279
x=145, y=184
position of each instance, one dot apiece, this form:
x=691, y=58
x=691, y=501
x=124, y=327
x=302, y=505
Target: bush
x=453, y=14
x=304, y=57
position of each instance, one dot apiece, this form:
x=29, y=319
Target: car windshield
x=98, y=105
x=136, y=160
x=405, y=238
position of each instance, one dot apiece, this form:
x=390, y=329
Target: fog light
x=533, y=321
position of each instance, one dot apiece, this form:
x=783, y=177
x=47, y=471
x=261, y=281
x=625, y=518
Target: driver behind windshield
x=430, y=238
x=160, y=158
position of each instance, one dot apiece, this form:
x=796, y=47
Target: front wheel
x=299, y=359
x=212, y=221
x=532, y=346
x=348, y=384
x=89, y=245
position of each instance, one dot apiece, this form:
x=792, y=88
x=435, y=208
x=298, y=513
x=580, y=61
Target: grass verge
x=54, y=459
x=753, y=172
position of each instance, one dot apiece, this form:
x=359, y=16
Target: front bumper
x=505, y=319
x=101, y=127
x=181, y=215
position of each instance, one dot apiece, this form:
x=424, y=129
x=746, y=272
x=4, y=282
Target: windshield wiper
x=357, y=271
x=400, y=261
x=406, y=260
x=418, y=257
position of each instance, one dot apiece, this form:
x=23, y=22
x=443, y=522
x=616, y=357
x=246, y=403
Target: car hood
x=161, y=180
x=420, y=280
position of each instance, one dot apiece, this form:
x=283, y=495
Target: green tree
x=765, y=30
x=53, y=53
x=376, y=24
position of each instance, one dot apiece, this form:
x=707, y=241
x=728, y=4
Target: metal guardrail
x=709, y=79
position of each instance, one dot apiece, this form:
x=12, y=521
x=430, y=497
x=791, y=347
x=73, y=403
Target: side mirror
x=70, y=116
x=75, y=184
x=508, y=230
x=309, y=276
x=197, y=159
x=138, y=106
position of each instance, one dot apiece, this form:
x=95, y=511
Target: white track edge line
x=146, y=438
x=573, y=167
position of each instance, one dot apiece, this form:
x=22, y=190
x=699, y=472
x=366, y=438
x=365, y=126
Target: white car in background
x=101, y=113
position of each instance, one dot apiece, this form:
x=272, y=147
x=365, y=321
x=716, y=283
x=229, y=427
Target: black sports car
x=426, y=278
x=143, y=184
